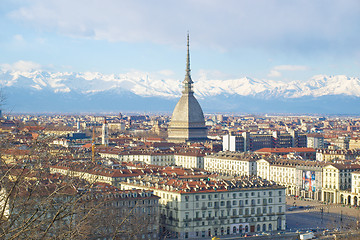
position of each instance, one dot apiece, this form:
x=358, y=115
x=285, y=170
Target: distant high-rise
x=78, y=125
x=187, y=121
x=104, y=135
x=252, y=142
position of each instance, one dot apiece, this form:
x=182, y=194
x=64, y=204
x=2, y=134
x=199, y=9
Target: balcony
x=203, y=208
x=197, y=219
x=216, y=207
x=210, y=218
x=187, y=220
x=258, y=215
x=223, y=217
x=271, y=214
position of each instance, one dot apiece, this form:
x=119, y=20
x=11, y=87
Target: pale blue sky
x=269, y=39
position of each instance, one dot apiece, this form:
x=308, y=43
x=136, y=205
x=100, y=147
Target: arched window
x=270, y=227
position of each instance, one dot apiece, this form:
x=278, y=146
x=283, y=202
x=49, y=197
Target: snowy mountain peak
x=90, y=87
x=143, y=85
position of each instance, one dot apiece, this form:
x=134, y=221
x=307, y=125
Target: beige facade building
x=329, y=155
x=354, y=198
x=231, y=163
x=93, y=173
x=203, y=208
x=354, y=144
x=151, y=158
x=301, y=178
x=189, y=159
x=355, y=182
x=337, y=185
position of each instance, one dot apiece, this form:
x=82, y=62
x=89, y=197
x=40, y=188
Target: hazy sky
x=269, y=39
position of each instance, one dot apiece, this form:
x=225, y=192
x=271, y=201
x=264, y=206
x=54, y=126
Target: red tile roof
x=285, y=150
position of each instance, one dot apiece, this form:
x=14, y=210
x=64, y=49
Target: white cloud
x=249, y=23
x=211, y=74
x=41, y=40
x=23, y=66
x=166, y=72
x=277, y=70
x=274, y=73
x=290, y=68
x=18, y=38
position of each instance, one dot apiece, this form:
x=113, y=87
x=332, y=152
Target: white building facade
x=189, y=159
x=208, y=208
x=301, y=178
x=231, y=163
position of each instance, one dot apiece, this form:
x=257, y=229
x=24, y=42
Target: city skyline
x=263, y=141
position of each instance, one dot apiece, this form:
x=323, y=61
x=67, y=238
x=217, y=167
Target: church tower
x=187, y=121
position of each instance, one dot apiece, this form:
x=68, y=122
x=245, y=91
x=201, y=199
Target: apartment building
x=337, y=185
x=78, y=210
x=95, y=173
x=211, y=207
x=231, y=163
x=330, y=155
x=341, y=142
x=354, y=143
x=315, y=140
x=189, y=159
x=355, y=182
x=247, y=141
x=149, y=157
x=301, y=178
x=305, y=153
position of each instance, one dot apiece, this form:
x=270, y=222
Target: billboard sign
x=309, y=181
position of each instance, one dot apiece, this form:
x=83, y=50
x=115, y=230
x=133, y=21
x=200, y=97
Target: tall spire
x=187, y=81
x=188, y=57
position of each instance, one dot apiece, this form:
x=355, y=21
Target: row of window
x=234, y=212
x=226, y=231
x=235, y=202
x=234, y=195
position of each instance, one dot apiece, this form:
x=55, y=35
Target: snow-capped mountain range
x=93, y=91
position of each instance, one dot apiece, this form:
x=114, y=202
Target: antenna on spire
x=188, y=56
x=187, y=81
